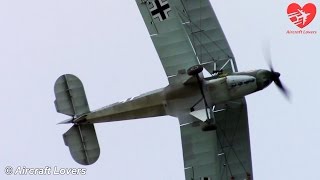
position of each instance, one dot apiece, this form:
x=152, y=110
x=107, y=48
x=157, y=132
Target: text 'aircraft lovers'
x=211, y=110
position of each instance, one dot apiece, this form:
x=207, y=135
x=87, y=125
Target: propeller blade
x=267, y=54
x=275, y=75
x=284, y=90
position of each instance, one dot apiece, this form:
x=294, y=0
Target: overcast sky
x=106, y=44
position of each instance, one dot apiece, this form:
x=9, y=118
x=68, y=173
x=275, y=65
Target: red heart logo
x=301, y=17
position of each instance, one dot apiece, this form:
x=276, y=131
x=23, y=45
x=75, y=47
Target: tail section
x=80, y=138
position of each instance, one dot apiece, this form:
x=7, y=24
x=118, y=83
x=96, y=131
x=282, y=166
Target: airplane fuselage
x=178, y=99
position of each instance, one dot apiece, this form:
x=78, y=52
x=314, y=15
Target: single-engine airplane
x=211, y=110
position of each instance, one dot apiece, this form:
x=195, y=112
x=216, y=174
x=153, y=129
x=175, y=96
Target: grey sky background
x=106, y=44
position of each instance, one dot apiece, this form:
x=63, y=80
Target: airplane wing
x=223, y=154
x=186, y=33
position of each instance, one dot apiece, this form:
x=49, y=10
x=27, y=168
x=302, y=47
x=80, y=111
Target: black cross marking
x=160, y=9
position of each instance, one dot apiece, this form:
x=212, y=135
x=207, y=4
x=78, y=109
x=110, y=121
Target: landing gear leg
x=210, y=124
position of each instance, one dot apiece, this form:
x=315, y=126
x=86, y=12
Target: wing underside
x=220, y=154
x=206, y=35
x=168, y=35
x=186, y=33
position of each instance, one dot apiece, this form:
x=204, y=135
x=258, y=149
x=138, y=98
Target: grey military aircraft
x=211, y=110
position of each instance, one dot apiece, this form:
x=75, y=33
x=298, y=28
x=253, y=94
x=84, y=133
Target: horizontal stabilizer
x=83, y=143
x=67, y=121
x=70, y=96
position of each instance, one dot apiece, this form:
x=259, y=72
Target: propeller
x=275, y=76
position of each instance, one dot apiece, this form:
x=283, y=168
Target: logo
x=301, y=17
x=160, y=9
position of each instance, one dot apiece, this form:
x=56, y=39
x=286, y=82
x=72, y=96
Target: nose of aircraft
x=264, y=78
